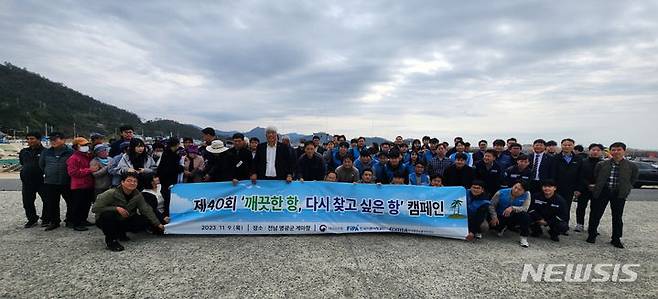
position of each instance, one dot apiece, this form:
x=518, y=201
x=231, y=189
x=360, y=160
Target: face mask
x=84, y=149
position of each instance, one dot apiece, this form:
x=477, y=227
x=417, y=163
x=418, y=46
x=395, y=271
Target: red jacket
x=78, y=168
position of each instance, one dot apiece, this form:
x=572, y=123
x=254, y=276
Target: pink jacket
x=78, y=168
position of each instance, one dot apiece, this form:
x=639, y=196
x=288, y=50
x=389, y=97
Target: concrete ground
x=69, y=264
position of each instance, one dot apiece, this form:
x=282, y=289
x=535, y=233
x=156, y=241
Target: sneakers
x=114, y=245
x=524, y=242
x=501, y=231
x=44, y=223
x=52, y=226
x=478, y=236
x=31, y=223
x=617, y=243
x=579, y=228
x=591, y=239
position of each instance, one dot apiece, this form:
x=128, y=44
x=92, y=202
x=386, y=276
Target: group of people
x=128, y=182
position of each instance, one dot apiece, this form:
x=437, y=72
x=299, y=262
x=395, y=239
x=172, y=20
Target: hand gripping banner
x=275, y=207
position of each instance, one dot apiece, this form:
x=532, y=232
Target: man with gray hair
x=273, y=160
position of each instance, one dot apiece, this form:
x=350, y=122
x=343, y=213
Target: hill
x=29, y=101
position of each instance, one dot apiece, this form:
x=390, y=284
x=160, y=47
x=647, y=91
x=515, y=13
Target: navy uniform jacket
x=549, y=209
x=492, y=177
x=513, y=174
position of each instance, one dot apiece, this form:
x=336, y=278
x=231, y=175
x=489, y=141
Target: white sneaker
x=524, y=242
x=579, y=228
x=502, y=231
x=478, y=236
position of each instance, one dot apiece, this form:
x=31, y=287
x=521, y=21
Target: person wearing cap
x=459, y=174
x=96, y=139
x=273, y=160
x=82, y=182
x=489, y=172
x=127, y=132
x=240, y=158
x=193, y=165
x=31, y=177
x=393, y=167
x=477, y=203
x=102, y=178
x=509, y=207
x=56, y=181
x=218, y=164
x=310, y=166
x=169, y=168
x=548, y=208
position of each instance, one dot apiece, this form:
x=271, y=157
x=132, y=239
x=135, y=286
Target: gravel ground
x=65, y=263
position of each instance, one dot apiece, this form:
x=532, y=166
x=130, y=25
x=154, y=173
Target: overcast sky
x=586, y=70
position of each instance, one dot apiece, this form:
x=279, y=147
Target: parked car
x=648, y=174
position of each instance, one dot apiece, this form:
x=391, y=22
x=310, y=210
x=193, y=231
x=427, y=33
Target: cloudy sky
x=587, y=70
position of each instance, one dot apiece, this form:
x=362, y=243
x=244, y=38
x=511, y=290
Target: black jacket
x=550, y=209
x=31, y=173
x=220, y=167
x=458, y=177
x=312, y=169
x=567, y=175
x=169, y=168
x=513, y=174
x=545, y=166
x=115, y=148
x=241, y=163
x=283, y=162
x=587, y=174
x=492, y=177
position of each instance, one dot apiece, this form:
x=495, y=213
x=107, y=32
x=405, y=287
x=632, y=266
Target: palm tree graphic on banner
x=455, y=206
